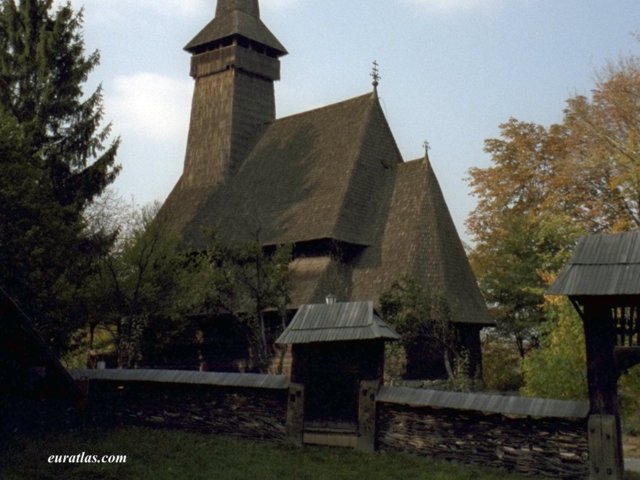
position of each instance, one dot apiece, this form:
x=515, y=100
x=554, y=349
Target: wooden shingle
x=336, y=322
x=330, y=181
x=602, y=264
x=236, y=18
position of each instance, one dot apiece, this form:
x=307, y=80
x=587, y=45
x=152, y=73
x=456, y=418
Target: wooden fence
x=529, y=436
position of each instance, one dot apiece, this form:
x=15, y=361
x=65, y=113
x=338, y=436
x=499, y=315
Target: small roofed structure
x=605, y=270
x=602, y=280
x=602, y=265
x=335, y=347
x=337, y=322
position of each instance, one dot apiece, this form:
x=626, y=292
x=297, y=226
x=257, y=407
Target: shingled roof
x=236, y=17
x=417, y=238
x=336, y=173
x=336, y=322
x=602, y=264
x=309, y=176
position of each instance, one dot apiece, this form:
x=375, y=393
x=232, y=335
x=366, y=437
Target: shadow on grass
x=164, y=455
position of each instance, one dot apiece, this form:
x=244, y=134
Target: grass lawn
x=159, y=455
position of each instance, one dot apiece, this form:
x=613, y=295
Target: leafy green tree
x=512, y=225
x=58, y=166
x=245, y=281
x=147, y=287
x=516, y=267
x=545, y=188
x=500, y=363
x=558, y=368
x=629, y=389
x=599, y=184
x=548, y=186
x=424, y=322
x=142, y=291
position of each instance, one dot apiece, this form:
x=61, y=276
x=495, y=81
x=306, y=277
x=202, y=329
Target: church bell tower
x=235, y=60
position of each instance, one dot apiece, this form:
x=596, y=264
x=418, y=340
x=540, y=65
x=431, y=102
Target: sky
x=452, y=72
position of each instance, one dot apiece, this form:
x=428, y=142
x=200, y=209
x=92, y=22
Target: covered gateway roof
x=602, y=264
x=336, y=322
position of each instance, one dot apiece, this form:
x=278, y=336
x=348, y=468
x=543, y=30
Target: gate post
x=605, y=442
x=604, y=448
x=295, y=414
x=367, y=416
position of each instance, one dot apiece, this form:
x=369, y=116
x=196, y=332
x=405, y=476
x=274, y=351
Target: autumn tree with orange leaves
x=546, y=187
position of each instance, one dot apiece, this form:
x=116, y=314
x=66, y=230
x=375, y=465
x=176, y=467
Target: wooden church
x=330, y=181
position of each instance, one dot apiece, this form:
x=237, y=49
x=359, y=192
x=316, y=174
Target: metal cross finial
x=375, y=74
x=427, y=147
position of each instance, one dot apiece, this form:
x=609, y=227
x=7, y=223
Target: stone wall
x=479, y=434
x=530, y=436
x=214, y=403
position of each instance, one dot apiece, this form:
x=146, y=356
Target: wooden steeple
x=234, y=63
x=250, y=7
x=236, y=18
x=329, y=181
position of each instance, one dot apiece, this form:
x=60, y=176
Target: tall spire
x=236, y=18
x=235, y=62
x=250, y=7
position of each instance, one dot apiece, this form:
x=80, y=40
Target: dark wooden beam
x=602, y=373
x=295, y=414
x=602, y=378
x=367, y=415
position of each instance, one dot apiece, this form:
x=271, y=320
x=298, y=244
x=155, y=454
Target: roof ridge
x=342, y=327
x=606, y=263
x=371, y=174
x=415, y=161
x=319, y=109
x=384, y=118
x=337, y=303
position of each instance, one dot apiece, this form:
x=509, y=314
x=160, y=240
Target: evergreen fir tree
x=56, y=159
